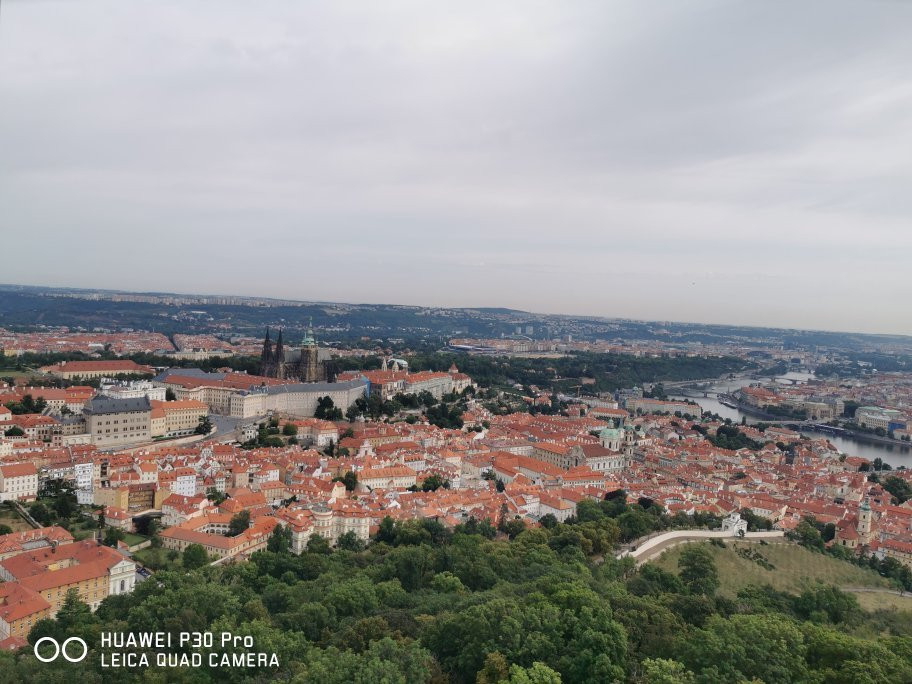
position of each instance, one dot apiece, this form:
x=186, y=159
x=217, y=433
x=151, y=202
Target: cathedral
x=287, y=363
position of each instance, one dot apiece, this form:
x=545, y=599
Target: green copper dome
x=309, y=339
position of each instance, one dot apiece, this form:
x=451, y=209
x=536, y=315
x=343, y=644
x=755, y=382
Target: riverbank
x=864, y=437
x=867, y=446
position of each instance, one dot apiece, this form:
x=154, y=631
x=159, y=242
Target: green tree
x=539, y=673
x=512, y=527
x=570, y=631
x=279, y=539
x=427, y=399
x=899, y=488
x=240, y=522
x=290, y=429
x=548, y=521
x=387, y=530
x=318, y=545
x=807, y=534
x=653, y=580
x=385, y=660
x=194, y=557
x=74, y=618
x=495, y=670
x=350, y=542
x=113, y=535
x=828, y=604
x=634, y=523
x=65, y=505
x=326, y=409
x=41, y=513
x=697, y=570
x=204, y=427
x=664, y=671
x=350, y=480
x=768, y=648
x=433, y=483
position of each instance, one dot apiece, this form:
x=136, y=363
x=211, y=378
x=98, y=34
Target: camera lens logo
x=61, y=649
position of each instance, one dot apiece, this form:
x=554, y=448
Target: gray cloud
x=735, y=162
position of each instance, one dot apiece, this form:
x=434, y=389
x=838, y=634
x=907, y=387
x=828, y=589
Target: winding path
x=655, y=546
x=877, y=590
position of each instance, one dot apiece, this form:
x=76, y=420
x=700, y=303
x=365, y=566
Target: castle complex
x=302, y=364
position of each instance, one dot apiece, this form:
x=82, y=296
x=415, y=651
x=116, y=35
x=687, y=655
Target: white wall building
x=122, y=577
x=18, y=482
x=298, y=399
x=84, y=473
x=135, y=389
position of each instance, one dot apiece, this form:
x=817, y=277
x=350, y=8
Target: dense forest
x=426, y=604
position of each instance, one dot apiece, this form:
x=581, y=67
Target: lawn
x=10, y=373
x=158, y=559
x=794, y=568
x=134, y=539
x=12, y=520
x=872, y=601
x=79, y=524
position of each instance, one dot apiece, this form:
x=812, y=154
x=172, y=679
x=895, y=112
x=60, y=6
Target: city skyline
x=420, y=305
x=704, y=162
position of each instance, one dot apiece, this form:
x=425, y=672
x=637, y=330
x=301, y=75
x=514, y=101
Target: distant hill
x=24, y=307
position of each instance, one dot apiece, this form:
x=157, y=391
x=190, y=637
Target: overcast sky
x=719, y=161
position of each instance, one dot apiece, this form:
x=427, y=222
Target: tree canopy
x=424, y=603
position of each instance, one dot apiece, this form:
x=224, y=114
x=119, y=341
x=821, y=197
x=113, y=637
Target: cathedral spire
x=279, y=350
x=279, y=357
x=266, y=356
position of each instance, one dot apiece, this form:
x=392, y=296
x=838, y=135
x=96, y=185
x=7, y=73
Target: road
x=876, y=590
x=655, y=546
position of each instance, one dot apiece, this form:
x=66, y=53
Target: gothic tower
x=279, y=357
x=266, y=361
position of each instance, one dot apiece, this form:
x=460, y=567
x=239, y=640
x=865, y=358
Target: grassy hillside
x=793, y=568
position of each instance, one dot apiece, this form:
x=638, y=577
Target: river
x=894, y=455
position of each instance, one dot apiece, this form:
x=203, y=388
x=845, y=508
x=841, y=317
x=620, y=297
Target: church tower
x=279, y=358
x=266, y=356
x=864, y=523
x=310, y=371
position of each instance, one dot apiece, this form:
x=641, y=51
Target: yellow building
x=70, y=370
x=93, y=570
x=208, y=530
x=175, y=418
x=134, y=497
x=20, y=609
